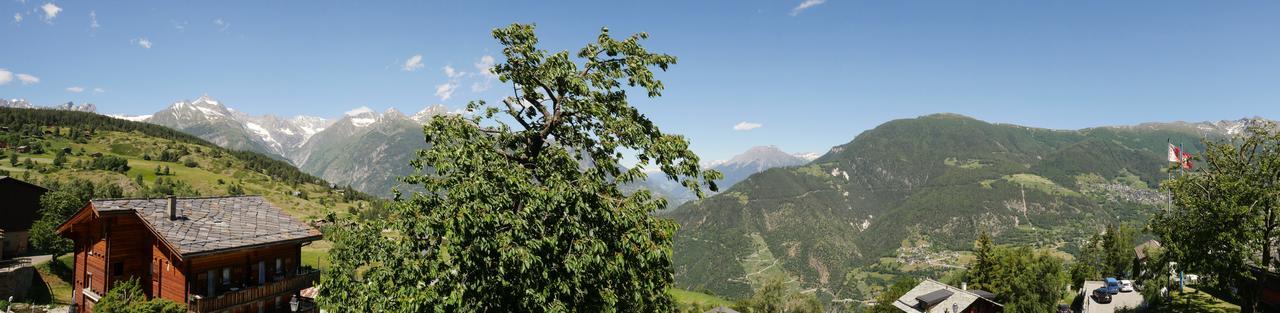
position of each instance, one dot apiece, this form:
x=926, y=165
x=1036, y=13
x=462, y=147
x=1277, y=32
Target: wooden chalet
x=213, y=254
x=20, y=209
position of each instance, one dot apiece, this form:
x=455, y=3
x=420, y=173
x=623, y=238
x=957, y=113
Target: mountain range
x=931, y=183
x=69, y=106
x=370, y=151
x=364, y=149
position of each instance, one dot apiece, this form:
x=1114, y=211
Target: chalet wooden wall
x=129, y=243
x=172, y=282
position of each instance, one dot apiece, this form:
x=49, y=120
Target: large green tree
x=520, y=208
x=1223, y=218
x=55, y=208
x=1024, y=280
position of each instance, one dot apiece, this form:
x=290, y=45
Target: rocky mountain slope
x=938, y=179
x=367, y=150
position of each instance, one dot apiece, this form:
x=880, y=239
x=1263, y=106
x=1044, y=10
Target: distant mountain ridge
x=69, y=106
x=754, y=160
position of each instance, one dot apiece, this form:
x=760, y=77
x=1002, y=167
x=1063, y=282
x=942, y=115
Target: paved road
x=1121, y=300
x=38, y=259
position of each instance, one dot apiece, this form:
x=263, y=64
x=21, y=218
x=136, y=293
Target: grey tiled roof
x=215, y=223
x=959, y=298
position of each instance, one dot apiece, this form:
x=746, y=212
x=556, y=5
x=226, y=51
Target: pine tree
x=980, y=273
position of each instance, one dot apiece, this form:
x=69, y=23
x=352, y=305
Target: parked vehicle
x=1101, y=295
x=1063, y=308
x=1126, y=285
x=1112, y=285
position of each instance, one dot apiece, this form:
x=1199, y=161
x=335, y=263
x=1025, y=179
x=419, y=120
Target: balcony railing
x=254, y=294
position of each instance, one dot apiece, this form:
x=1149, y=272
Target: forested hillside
x=909, y=194
x=135, y=159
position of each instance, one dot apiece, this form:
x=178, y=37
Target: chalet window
x=262, y=272
x=279, y=266
x=226, y=276
x=117, y=268
x=88, y=280
x=209, y=283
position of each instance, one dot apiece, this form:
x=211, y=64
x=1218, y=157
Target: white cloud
x=481, y=86
x=358, y=111
x=745, y=126
x=805, y=6
x=93, y=21
x=452, y=73
x=143, y=42
x=5, y=76
x=222, y=25
x=445, y=91
x=27, y=79
x=75, y=89
x=99, y=90
x=50, y=11
x=180, y=26
x=485, y=67
x=414, y=63
x=17, y=18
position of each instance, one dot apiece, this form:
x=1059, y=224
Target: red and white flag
x=1175, y=154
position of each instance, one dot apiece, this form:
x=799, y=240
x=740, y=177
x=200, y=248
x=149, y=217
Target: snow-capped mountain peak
x=360, y=111
x=16, y=103
x=205, y=99
x=427, y=113
x=392, y=113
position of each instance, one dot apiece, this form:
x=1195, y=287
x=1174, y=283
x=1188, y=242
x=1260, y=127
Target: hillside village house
x=223, y=254
x=934, y=297
x=21, y=209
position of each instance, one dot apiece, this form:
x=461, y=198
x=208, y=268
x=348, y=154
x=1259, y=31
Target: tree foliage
x=521, y=209
x=1223, y=216
x=127, y=297
x=1108, y=254
x=1023, y=280
x=884, y=301
x=55, y=208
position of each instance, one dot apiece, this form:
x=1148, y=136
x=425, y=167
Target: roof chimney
x=173, y=207
x=964, y=286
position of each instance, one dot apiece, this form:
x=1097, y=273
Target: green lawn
x=1194, y=301
x=687, y=297
x=316, y=254
x=53, y=285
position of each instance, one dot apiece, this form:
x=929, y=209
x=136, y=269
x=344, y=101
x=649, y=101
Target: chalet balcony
x=232, y=299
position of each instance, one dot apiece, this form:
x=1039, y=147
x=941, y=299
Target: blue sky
x=811, y=74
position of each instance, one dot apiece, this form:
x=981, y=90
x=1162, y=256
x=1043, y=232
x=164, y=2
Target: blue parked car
x=1113, y=285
